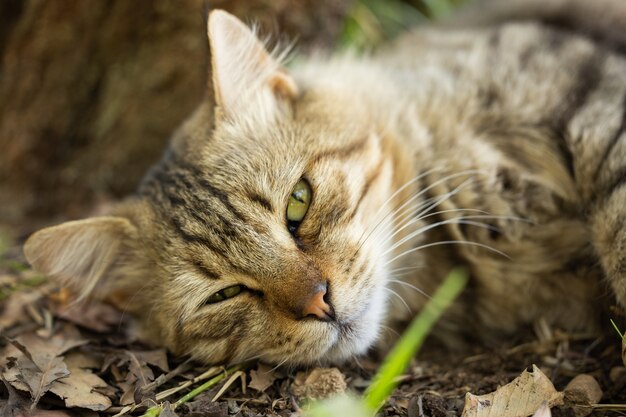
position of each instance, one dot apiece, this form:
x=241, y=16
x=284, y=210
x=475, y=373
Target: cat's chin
x=340, y=343
x=343, y=340
x=354, y=339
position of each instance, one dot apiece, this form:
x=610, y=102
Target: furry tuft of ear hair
x=81, y=254
x=242, y=67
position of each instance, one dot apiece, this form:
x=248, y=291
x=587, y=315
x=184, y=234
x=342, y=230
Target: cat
x=301, y=211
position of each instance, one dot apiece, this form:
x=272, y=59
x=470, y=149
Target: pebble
x=581, y=393
x=319, y=383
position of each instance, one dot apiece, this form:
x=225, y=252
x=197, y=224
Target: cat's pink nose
x=318, y=307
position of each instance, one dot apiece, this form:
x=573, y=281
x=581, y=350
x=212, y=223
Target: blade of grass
x=399, y=358
x=619, y=332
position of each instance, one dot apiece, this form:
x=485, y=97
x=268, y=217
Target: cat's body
x=409, y=154
x=539, y=113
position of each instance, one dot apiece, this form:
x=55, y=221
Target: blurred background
x=90, y=91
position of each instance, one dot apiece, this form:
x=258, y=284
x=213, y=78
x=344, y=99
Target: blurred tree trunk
x=91, y=90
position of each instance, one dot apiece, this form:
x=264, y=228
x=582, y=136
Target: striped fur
x=497, y=143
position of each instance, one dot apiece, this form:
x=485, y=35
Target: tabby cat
x=300, y=212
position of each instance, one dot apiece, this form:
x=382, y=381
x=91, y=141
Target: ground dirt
x=77, y=361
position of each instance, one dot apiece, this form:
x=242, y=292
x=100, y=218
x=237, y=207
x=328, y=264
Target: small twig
x=157, y=409
x=205, y=375
x=164, y=394
x=162, y=379
x=609, y=407
x=228, y=383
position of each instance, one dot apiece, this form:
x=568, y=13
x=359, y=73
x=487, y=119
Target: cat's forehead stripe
x=191, y=205
x=342, y=152
x=260, y=200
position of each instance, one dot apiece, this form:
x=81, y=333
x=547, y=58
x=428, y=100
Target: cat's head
x=261, y=233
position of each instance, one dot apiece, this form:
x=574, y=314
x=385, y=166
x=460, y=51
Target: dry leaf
x=128, y=392
x=262, y=378
x=13, y=312
x=136, y=384
x=94, y=315
x=15, y=404
x=77, y=389
x=157, y=357
x=36, y=363
x=520, y=398
x=40, y=373
x=139, y=368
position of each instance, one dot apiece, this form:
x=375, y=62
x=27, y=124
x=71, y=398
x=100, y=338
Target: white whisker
x=415, y=220
x=423, y=212
x=390, y=329
x=405, y=269
x=409, y=285
x=414, y=197
x=279, y=365
x=401, y=299
x=448, y=242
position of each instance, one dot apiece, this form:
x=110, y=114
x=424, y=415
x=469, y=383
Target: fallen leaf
x=36, y=363
x=262, y=378
x=77, y=390
x=133, y=375
x=40, y=378
x=13, y=312
x=139, y=368
x=15, y=404
x=128, y=392
x=157, y=357
x=520, y=398
x=92, y=315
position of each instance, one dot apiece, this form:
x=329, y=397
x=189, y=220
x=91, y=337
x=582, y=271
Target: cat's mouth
x=354, y=335
x=346, y=328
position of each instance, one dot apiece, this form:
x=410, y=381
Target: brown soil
x=435, y=384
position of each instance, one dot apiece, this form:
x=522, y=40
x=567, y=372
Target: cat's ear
x=81, y=254
x=242, y=66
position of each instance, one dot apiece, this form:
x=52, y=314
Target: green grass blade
x=399, y=358
x=619, y=332
x=156, y=410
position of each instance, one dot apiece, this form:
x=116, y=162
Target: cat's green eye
x=224, y=294
x=299, y=202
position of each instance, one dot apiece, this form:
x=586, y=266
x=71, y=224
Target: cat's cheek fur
x=363, y=332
